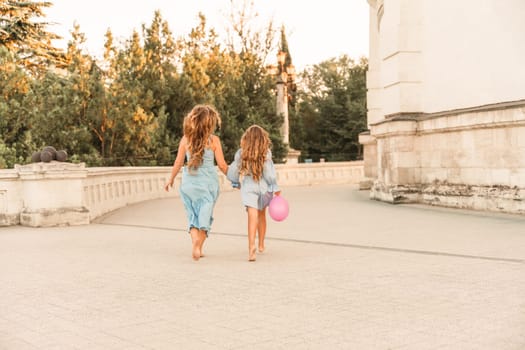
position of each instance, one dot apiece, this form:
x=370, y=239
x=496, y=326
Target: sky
x=316, y=30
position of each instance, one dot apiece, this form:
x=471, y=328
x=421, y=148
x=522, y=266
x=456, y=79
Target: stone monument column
x=285, y=76
x=282, y=107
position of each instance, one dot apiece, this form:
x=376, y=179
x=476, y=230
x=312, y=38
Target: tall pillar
x=394, y=98
x=285, y=76
x=400, y=52
x=282, y=109
x=373, y=96
x=373, y=74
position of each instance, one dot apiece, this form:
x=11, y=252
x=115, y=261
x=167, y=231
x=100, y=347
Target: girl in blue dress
x=199, y=188
x=253, y=161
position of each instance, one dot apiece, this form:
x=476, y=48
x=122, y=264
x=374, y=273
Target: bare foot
x=261, y=249
x=196, y=252
x=252, y=255
x=202, y=238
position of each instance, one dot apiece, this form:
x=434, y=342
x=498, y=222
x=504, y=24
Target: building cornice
x=404, y=116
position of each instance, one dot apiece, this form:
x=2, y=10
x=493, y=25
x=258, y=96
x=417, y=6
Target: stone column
x=373, y=74
x=282, y=109
x=400, y=54
x=292, y=155
x=373, y=96
x=395, y=83
x=52, y=194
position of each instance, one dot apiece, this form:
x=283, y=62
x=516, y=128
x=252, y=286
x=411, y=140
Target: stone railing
x=49, y=194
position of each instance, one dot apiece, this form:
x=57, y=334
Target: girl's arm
x=270, y=175
x=219, y=155
x=233, y=169
x=177, y=164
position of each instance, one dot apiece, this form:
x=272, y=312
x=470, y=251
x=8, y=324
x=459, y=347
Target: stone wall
x=446, y=124
x=471, y=54
x=466, y=159
x=10, y=197
x=50, y=194
x=370, y=160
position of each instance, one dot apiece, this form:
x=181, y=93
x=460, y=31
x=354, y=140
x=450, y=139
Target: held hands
x=277, y=193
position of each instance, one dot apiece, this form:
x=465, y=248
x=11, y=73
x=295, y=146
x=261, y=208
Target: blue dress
x=255, y=194
x=199, y=191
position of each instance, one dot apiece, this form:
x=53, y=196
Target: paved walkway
x=342, y=272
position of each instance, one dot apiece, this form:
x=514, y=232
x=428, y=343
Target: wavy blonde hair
x=198, y=126
x=255, y=143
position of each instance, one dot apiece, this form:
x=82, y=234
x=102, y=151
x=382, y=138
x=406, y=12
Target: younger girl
x=199, y=188
x=254, y=162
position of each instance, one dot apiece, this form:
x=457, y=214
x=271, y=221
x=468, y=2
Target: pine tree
x=283, y=47
x=63, y=102
x=27, y=37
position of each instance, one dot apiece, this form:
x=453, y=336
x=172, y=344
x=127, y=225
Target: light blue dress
x=255, y=194
x=199, y=191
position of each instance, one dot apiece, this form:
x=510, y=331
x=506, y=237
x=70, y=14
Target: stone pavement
x=342, y=272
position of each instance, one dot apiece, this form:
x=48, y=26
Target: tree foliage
x=127, y=107
x=15, y=85
x=27, y=37
x=234, y=80
x=332, y=109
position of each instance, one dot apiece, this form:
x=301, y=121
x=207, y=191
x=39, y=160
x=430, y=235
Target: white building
x=446, y=103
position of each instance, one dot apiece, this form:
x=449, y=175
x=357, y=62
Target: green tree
x=160, y=78
x=15, y=85
x=63, y=101
x=333, y=109
x=141, y=79
x=23, y=34
x=251, y=98
x=130, y=107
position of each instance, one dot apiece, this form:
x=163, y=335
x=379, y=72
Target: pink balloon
x=278, y=208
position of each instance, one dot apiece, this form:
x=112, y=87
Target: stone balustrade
x=56, y=193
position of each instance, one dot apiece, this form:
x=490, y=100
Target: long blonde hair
x=198, y=126
x=255, y=143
